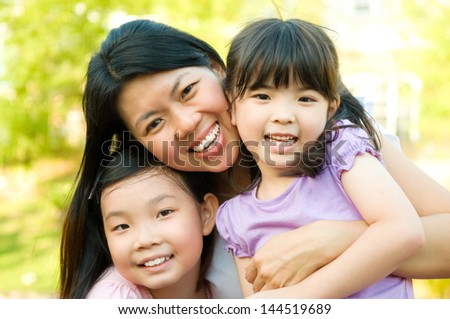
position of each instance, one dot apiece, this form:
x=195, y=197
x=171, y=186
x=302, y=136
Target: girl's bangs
x=285, y=61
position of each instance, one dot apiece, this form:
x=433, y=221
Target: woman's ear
x=208, y=210
x=233, y=114
x=334, y=105
x=217, y=68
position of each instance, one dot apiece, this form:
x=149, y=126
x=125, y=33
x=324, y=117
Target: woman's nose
x=187, y=120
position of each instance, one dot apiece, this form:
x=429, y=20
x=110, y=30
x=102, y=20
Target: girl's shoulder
x=111, y=285
x=348, y=141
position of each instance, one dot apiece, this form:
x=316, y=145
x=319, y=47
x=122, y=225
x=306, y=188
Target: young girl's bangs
x=282, y=55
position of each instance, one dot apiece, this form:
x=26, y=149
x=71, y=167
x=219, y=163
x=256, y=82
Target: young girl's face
x=274, y=123
x=155, y=230
x=182, y=117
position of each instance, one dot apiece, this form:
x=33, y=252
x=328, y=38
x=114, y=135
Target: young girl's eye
x=164, y=213
x=263, y=97
x=306, y=99
x=121, y=227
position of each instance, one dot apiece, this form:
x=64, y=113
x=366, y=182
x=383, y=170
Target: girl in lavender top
x=317, y=156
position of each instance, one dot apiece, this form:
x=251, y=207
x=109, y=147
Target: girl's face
x=182, y=117
x=155, y=234
x=274, y=123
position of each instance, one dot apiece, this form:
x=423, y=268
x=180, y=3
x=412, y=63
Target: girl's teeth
x=156, y=261
x=281, y=138
x=207, y=141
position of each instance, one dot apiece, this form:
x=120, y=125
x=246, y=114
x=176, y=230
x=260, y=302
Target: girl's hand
x=289, y=257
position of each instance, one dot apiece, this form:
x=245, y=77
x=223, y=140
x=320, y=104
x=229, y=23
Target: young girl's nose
x=283, y=113
x=147, y=237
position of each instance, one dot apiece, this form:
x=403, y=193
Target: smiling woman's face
x=182, y=117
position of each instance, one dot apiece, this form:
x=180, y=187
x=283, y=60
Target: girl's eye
x=121, y=227
x=164, y=212
x=263, y=97
x=306, y=99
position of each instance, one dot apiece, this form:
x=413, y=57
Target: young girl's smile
x=155, y=234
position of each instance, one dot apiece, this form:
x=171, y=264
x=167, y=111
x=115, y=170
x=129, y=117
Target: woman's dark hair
x=278, y=52
x=135, y=48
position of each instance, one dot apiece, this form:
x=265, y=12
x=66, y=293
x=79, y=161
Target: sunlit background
x=394, y=53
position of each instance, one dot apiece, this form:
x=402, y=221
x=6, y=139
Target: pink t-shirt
x=112, y=285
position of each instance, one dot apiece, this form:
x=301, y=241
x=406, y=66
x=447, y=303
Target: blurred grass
x=33, y=201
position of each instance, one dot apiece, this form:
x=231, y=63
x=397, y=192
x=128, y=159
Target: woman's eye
x=121, y=227
x=187, y=90
x=153, y=124
x=164, y=212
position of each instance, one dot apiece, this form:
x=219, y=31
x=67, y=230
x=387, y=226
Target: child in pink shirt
x=155, y=225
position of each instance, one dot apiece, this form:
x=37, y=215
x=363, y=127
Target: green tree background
x=44, y=51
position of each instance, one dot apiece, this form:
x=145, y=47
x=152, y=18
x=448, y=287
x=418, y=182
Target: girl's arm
x=394, y=234
x=300, y=252
x=308, y=248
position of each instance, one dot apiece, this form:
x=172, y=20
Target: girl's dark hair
x=135, y=48
x=278, y=52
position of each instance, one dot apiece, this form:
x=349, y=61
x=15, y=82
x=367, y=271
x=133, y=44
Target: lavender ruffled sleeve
x=349, y=143
x=227, y=226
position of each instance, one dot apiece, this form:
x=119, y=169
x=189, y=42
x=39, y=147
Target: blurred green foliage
x=47, y=45
x=430, y=20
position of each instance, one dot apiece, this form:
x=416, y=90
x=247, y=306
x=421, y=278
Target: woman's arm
x=241, y=265
x=433, y=260
x=427, y=196
x=431, y=201
x=300, y=252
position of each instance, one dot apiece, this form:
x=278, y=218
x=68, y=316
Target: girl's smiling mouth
x=157, y=261
x=284, y=139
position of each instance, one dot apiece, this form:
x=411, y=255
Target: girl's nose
x=147, y=236
x=283, y=113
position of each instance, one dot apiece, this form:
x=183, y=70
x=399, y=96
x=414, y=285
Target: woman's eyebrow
x=177, y=83
x=143, y=117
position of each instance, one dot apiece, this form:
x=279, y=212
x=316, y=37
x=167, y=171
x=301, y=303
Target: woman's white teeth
x=208, y=140
x=156, y=261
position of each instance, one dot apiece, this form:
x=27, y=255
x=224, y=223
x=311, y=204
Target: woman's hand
x=289, y=257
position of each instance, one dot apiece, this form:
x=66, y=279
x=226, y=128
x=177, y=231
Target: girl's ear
x=208, y=210
x=334, y=105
